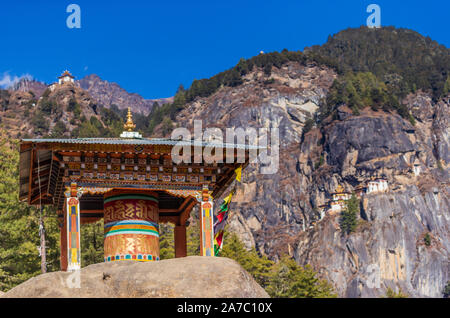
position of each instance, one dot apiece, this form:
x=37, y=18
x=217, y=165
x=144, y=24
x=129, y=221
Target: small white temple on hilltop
x=66, y=77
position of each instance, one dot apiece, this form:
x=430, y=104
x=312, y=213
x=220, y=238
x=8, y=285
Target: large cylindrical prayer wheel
x=131, y=226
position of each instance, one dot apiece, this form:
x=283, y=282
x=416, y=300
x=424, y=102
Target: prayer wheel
x=131, y=225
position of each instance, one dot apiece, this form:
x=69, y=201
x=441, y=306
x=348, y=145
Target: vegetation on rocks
x=349, y=216
x=359, y=90
x=284, y=279
x=390, y=293
x=402, y=58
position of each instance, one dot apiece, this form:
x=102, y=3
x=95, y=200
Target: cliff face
x=280, y=213
x=268, y=210
x=29, y=85
x=388, y=248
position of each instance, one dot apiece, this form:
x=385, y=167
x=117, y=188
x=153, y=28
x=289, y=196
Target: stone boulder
x=192, y=276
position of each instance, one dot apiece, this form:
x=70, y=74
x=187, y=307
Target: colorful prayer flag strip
x=222, y=217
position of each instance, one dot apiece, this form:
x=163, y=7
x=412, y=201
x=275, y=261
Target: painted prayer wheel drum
x=131, y=226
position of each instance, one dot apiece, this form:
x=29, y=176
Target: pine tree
x=348, y=220
x=257, y=266
x=193, y=239
x=446, y=291
x=92, y=237
x=166, y=241
x=447, y=86
x=391, y=294
x=19, y=226
x=291, y=280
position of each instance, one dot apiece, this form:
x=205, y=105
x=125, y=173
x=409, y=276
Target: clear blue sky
x=150, y=47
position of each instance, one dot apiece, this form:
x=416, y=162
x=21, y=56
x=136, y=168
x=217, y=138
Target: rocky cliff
x=109, y=93
x=388, y=249
x=188, y=277
x=281, y=213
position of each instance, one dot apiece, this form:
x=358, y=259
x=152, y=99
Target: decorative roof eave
x=143, y=141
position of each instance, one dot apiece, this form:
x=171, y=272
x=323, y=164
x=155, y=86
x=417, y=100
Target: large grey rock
x=192, y=276
x=388, y=250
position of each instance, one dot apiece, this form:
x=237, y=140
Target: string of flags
x=222, y=216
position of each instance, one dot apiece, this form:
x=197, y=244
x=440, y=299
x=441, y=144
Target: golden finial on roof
x=129, y=125
x=339, y=189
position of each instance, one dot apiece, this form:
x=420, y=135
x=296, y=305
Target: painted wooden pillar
x=63, y=240
x=206, y=224
x=73, y=229
x=131, y=225
x=180, y=241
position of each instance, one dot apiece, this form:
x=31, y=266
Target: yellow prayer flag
x=228, y=198
x=238, y=173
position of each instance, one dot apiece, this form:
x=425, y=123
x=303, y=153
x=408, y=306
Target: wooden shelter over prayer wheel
x=132, y=183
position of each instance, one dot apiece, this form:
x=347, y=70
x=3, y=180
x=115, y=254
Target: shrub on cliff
x=257, y=266
x=446, y=291
x=392, y=294
x=291, y=280
x=348, y=220
x=285, y=279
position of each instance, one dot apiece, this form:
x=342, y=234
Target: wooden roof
x=48, y=166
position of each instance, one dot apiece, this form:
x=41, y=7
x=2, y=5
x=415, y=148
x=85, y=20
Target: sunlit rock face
x=279, y=213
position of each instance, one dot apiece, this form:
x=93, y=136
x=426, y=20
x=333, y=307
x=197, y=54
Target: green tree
x=166, y=241
x=291, y=280
x=193, y=239
x=447, y=86
x=348, y=220
x=92, y=243
x=446, y=291
x=58, y=130
x=19, y=229
x=257, y=266
x=427, y=239
x=390, y=293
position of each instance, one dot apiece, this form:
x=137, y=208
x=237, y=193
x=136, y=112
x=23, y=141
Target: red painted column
x=180, y=241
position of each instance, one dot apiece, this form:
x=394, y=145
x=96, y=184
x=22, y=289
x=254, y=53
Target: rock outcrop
x=388, y=249
x=109, y=93
x=280, y=213
x=192, y=276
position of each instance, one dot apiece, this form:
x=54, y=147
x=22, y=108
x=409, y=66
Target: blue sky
x=150, y=47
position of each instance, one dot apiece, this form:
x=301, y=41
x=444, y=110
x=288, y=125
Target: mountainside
x=366, y=113
x=65, y=110
x=108, y=93
x=30, y=85
x=400, y=57
x=348, y=146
